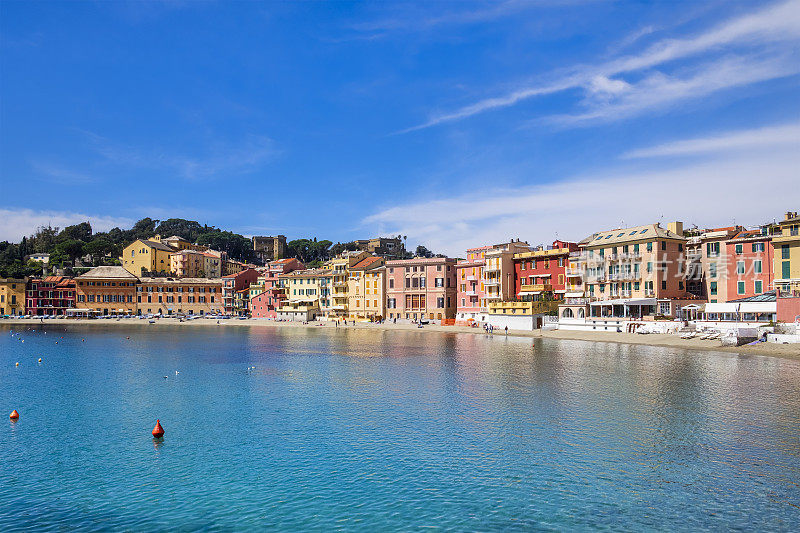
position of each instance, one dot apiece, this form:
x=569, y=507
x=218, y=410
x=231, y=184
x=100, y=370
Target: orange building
x=106, y=290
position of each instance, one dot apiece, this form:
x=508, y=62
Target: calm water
x=365, y=430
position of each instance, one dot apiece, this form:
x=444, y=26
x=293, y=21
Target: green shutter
x=785, y=270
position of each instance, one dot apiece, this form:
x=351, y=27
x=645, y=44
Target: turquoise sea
x=311, y=429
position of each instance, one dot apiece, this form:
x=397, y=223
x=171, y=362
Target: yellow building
x=366, y=289
x=12, y=296
x=188, y=264
x=309, y=288
x=340, y=270
x=143, y=256
x=171, y=296
x=787, y=255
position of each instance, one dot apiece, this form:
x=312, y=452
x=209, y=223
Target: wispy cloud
x=778, y=23
x=220, y=159
x=766, y=137
x=575, y=207
x=59, y=174
x=21, y=222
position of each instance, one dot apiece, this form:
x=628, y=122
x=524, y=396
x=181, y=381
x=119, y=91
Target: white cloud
x=20, y=222
x=711, y=192
x=778, y=23
x=769, y=136
x=659, y=91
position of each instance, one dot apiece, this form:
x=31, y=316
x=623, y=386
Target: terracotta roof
x=182, y=281
x=107, y=272
x=366, y=263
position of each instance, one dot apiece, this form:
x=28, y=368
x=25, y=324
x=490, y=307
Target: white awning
x=578, y=294
x=742, y=307
x=524, y=293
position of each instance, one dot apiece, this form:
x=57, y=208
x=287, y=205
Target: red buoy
x=158, y=431
x=14, y=415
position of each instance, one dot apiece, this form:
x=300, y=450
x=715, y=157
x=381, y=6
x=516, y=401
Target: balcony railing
x=538, y=287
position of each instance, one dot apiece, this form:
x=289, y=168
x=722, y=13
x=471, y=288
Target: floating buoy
x=40, y=359
x=158, y=431
x=127, y=338
x=15, y=415
x=17, y=364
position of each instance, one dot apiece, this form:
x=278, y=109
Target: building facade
x=366, y=289
x=498, y=272
x=421, y=288
x=233, y=283
x=48, y=296
x=174, y=296
x=267, y=293
x=787, y=256
x=383, y=246
x=12, y=297
x=269, y=248
x=470, y=301
x=707, y=262
x=543, y=271
x=106, y=290
x=340, y=271
x=307, y=289
x=749, y=270
x=142, y=257
x=187, y=264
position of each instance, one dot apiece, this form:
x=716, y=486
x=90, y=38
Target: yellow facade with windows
x=12, y=297
x=366, y=290
x=787, y=255
x=143, y=256
x=310, y=287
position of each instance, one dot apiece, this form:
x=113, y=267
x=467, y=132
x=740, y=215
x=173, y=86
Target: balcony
x=538, y=287
x=471, y=293
x=472, y=278
x=573, y=272
x=491, y=282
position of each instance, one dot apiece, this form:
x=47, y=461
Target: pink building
x=421, y=288
x=470, y=295
x=266, y=294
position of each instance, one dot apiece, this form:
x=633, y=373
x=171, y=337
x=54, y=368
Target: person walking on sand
x=506, y=330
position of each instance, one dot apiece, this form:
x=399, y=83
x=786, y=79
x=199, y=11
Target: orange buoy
x=14, y=415
x=158, y=431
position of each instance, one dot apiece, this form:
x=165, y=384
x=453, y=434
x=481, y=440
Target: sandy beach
x=788, y=351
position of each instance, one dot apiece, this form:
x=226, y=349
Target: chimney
x=790, y=215
x=676, y=227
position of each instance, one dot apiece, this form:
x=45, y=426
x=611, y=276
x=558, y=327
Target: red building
x=543, y=270
x=52, y=295
x=749, y=267
x=233, y=283
x=266, y=294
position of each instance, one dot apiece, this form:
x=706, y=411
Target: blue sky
x=457, y=124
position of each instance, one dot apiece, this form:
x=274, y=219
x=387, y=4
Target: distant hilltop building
x=383, y=246
x=269, y=248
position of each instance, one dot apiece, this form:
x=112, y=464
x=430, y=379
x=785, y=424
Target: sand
x=788, y=351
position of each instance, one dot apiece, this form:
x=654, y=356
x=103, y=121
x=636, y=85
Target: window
x=712, y=249
x=739, y=249
x=440, y=303
x=649, y=246
x=649, y=267
x=663, y=284
x=391, y=283
x=758, y=247
x=785, y=270
x=758, y=287
x=663, y=245
x=712, y=270
x=713, y=288
x=740, y=267
x=785, y=253
x=757, y=266
x=439, y=282
x=740, y=287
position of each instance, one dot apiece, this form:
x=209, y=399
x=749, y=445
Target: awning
x=743, y=307
x=626, y=301
x=573, y=294
x=523, y=293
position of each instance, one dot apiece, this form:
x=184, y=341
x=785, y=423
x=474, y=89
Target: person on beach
x=506, y=330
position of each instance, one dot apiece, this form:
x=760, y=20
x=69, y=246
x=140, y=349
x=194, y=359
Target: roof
x=157, y=245
x=107, y=272
x=308, y=273
x=636, y=233
x=751, y=234
x=367, y=262
x=768, y=296
x=181, y=281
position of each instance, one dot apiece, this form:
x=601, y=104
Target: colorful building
x=267, y=293
x=48, y=296
x=543, y=271
x=787, y=256
x=498, y=272
x=707, y=263
x=212, y=264
x=308, y=289
x=749, y=270
x=340, y=271
x=188, y=264
x=366, y=289
x=637, y=271
x=421, y=288
x=173, y=296
x=142, y=257
x=12, y=297
x=470, y=290
x=106, y=290
x=233, y=283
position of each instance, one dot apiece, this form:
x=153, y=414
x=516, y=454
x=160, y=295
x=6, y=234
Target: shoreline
x=784, y=351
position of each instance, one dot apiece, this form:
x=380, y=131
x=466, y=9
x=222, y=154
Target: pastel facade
x=751, y=262
x=231, y=284
x=12, y=297
x=106, y=290
x=707, y=262
x=308, y=288
x=187, y=264
x=544, y=271
x=267, y=293
x=145, y=256
x=212, y=265
x=635, y=271
x=366, y=289
x=421, y=288
x=470, y=301
x=498, y=272
x=173, y=296
x=340, y=271
x=787, y=256
x=48, y=296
